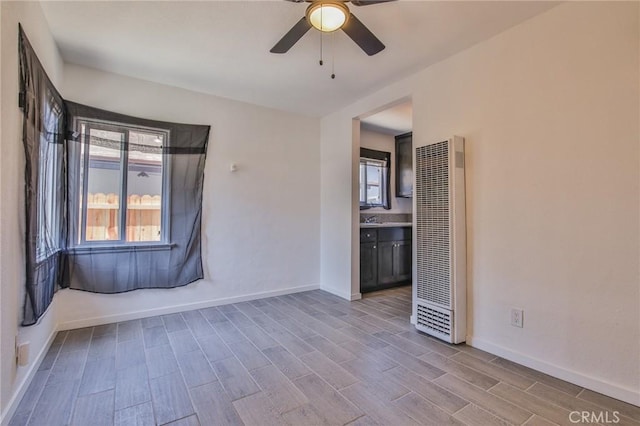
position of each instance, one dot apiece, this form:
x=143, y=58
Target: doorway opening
x=386, y=198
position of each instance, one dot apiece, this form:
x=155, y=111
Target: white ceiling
x=222, y=47
x=395, y=120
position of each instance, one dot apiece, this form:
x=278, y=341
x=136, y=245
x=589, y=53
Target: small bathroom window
x=374, y=178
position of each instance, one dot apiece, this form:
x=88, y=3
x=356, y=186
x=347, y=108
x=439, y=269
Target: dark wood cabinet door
x=402, y=260
x=368, y=266
x=404, y=165
x=385, y=262
x=385, y=258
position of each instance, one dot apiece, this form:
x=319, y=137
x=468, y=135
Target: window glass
x=374, y=177
x=49, y=179
x=103, y=185
x=373, y=172
x=363, y=187
x=144, y=187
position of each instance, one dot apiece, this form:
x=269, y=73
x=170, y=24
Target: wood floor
x=303, y=359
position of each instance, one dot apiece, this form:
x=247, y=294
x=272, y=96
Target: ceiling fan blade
x=295, y=33
x=362, y=36
x=366, y=2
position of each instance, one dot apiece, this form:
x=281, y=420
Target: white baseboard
x=107, y=319
x=593, y=383
x=342, y=294
x=12, y=406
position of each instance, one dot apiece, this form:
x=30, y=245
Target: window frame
x=80, y=241
x=364, y=183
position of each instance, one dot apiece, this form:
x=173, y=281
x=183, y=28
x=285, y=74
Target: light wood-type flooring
x=303, y=359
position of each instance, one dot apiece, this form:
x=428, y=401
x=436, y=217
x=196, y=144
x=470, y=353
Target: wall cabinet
x=404, y=165
x=385, y=258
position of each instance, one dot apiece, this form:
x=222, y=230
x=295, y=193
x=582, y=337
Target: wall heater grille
x=432, y=224
x=440, y=293
x=438, y=321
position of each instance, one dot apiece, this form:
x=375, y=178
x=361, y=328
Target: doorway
x=386, y=198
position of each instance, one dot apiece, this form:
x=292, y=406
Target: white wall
x=339, y=209
x=261, y=223
x=12, y=195
x=387, y=143
x=550, y=113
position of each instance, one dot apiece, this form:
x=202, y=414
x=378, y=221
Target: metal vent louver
x=438, y=321
x=432, y=221
x=440, y=280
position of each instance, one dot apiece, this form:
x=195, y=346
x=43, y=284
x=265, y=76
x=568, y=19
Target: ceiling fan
x=329, y=16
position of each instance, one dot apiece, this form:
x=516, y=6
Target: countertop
x=386, y=225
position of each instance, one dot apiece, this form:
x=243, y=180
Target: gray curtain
x=52, y=144
x=43, y=137
x=119, y=269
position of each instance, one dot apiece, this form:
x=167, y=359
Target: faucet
x=371, y=219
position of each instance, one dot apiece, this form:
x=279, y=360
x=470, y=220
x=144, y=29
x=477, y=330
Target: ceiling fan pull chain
x=333, y=56
x=321, y=62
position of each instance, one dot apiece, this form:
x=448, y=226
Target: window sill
x=94, y=249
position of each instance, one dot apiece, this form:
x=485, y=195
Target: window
x=135, y=190
x=371, y=178
x=124, y=184
x=374, y=178
x=98, y=196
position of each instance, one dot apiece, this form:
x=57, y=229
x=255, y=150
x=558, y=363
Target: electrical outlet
x=22, y=357
x=517, y=317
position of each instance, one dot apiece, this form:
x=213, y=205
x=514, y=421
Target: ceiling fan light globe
x=327, y=16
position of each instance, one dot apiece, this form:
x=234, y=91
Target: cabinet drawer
x=368, y=235
x=394, y=234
